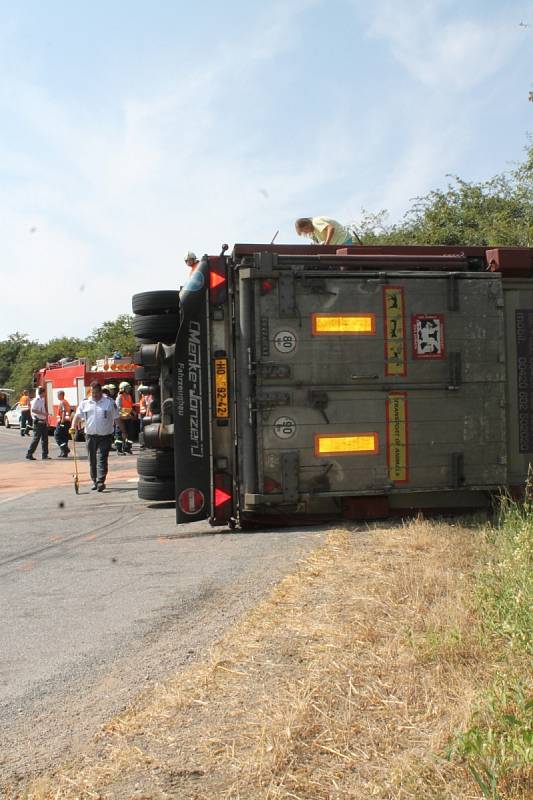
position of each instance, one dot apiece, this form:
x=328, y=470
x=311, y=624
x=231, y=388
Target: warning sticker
x=428, y=335
x=393, y=304
x=397, y=452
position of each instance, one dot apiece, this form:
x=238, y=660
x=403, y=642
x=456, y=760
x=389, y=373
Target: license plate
x=221, y=388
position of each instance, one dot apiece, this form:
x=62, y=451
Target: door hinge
x=455, y=367
x=290, y=467
x=287, y=296
x=267, y=400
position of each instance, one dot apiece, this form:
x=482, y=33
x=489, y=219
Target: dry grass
x=347, y=682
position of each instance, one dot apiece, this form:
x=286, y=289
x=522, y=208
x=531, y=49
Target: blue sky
x=131, y=132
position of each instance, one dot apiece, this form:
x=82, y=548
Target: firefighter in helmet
x=110, y=390
x=126, y=410
x=191, y=260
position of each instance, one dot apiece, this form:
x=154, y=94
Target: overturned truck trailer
x=312, y=383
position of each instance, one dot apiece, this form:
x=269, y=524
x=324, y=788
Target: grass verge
x=498, y=744
x=361, y=676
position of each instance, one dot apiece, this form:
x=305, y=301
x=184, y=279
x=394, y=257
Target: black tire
x=155, y=489
x=155, y=302
x=147, y=374
x=164, y=339
x=156, y=463
x=153, y=326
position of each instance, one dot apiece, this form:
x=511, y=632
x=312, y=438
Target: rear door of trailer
x=365, y=383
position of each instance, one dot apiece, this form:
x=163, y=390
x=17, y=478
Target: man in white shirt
x=98, y=413
x=39, y=413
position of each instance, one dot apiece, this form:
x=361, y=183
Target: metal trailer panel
x=359, y=388
x=449, y=398
x=518, y=295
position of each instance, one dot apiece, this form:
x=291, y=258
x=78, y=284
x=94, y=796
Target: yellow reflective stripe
x=346, y=444
x=344, y=324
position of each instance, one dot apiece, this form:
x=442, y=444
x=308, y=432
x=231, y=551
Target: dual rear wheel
x=156, y=320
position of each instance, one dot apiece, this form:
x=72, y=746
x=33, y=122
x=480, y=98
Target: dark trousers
x=25, y=422
x=40, y=434
x=123, y=443
x=61, y=437
x=98, y=451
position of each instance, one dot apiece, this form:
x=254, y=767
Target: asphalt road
x=102, y=595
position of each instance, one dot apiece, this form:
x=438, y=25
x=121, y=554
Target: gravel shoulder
x=103, y=596
x=53, y=720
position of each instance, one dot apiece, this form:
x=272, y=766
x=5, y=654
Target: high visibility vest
x=143, y=408
x=24, y=402
x=125, y=404
x=64, y=408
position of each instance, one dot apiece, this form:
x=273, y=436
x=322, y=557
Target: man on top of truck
x=323, y=230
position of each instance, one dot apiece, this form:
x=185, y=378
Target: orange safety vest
x=24, y=402
x=66, y=410
x=143, y=408
x=125, y=404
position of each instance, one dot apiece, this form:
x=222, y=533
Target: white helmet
x=123, y=385
x=190, y=256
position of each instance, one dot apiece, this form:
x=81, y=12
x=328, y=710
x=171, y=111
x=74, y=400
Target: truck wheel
x=147, y=375
x=155, y=489
x=157, y=327
x=156, y=463
x=155, y=302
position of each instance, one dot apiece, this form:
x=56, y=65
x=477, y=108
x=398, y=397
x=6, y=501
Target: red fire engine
x=75, y=377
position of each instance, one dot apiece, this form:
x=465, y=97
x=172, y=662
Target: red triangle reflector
x=216, y=279
x=221, y=497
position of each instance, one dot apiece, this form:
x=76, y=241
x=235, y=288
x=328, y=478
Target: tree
x=20, y=357
x=35, y=355
x=498, y=211
x=28, y=360
x=110, y=336
x=10, y=349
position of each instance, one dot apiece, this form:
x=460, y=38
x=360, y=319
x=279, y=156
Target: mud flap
x=191, y=378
